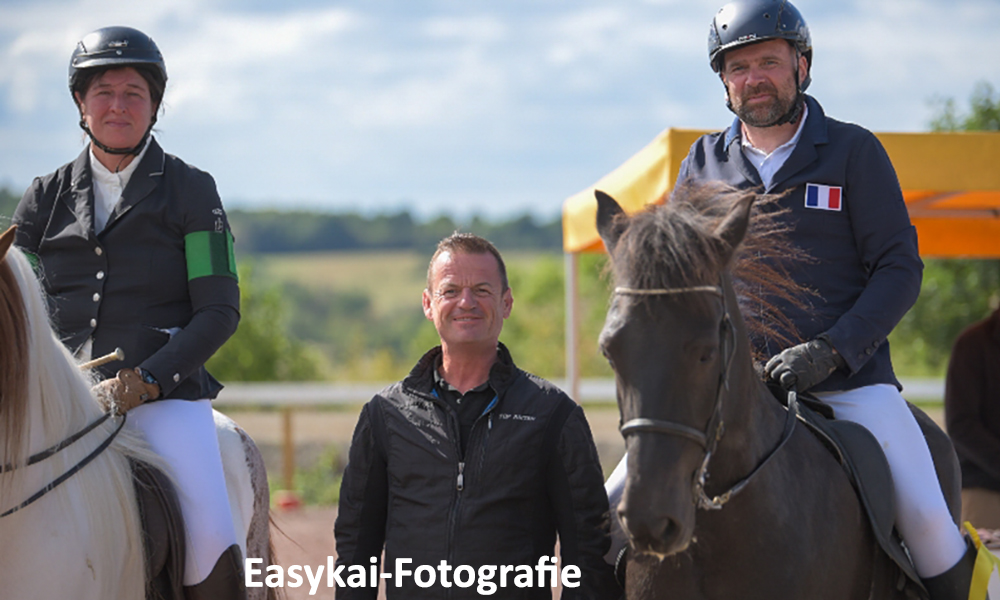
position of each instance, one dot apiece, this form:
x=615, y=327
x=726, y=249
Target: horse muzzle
x=652, y=530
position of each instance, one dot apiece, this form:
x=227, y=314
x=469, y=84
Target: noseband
x=708, y=439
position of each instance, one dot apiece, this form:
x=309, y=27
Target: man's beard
x=767, y=114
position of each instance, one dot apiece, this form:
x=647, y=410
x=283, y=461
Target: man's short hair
x=468, y=243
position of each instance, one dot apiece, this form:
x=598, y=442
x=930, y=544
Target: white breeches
x=183, y=433
x=922, y=515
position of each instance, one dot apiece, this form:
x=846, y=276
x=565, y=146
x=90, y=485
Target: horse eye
x=707, y=355
x=607, y=356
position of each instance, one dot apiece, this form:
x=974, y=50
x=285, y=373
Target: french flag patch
x=823, y=197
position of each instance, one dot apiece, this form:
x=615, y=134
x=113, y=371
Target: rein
x=710, y=438
x=53, y=450
x=49, y=452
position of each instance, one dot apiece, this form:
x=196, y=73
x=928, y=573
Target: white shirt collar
x=769, y=164
x=108, y=186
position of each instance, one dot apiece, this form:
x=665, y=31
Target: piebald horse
x=69, y=522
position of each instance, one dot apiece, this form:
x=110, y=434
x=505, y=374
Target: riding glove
x=126, y=391
x=805, y=365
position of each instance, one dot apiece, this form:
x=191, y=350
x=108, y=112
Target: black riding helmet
x=744, y=22
x=113, y=48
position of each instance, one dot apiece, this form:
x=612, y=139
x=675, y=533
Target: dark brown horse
x=725, y=498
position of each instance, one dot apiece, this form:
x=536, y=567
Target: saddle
x=162, y=533
x=861, y=456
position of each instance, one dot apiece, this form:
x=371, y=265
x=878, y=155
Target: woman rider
x=134, y=250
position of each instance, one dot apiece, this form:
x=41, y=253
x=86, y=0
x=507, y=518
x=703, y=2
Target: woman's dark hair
x=85, y=77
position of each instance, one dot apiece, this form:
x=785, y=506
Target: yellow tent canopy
x=950, y=181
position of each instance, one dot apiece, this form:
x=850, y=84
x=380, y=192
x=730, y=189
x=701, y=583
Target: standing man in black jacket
x=465, y=471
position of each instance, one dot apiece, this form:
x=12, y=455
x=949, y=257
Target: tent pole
x=571, y=261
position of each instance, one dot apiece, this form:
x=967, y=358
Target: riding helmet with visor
x=115, y=48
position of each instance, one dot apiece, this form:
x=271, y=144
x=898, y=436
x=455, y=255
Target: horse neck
x=56, y=399
x=753, y=422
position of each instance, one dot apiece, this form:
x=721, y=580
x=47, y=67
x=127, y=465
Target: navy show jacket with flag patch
x=846, y=211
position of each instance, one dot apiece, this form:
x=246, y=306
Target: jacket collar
x=80, y=199
x=502, y=373
x=142, y=183
x=814, y=133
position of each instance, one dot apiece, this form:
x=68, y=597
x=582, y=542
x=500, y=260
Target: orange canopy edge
x=950, y=181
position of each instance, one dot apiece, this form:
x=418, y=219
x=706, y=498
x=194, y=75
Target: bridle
x=53, y=450
x=709, y=438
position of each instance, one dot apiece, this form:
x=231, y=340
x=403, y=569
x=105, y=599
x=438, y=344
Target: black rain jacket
x=530, y=471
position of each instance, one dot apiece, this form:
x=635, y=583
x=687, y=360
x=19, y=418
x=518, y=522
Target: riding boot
x=225, y=582
x=954, y=583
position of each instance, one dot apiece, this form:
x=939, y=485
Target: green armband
x=34, y=261
x=210, y=253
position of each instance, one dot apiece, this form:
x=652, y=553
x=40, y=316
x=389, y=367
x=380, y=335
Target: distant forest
x=273, y=231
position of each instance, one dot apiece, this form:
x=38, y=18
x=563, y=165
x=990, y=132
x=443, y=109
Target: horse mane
x=674, y=245
x=13, y=370
x=44, y=398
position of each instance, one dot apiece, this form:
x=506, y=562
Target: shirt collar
x=103, y=175
x=444, y=385
x=789, y=145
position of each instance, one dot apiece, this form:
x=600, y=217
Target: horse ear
x=6, y=240
x=734, y=226
x=608, y=224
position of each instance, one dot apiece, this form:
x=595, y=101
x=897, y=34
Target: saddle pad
x=162, y=533
x=861, y=456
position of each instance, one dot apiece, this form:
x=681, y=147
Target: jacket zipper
x=459, y=486
x=460, y=478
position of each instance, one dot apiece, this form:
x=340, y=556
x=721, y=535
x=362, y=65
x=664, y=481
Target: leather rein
x=53, y=450
x=709, y=438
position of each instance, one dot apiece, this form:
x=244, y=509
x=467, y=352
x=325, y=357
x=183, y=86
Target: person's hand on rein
x=125, y=391
x=805, y=365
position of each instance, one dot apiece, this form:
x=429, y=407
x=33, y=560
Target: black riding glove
x=803, y=366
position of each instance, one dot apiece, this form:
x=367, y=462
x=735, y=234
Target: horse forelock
x=675, y=245
x=668, y=246
x=13, y=365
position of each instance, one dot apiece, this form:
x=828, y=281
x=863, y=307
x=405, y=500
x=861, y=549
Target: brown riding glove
x=126, y=391
x=803, y=366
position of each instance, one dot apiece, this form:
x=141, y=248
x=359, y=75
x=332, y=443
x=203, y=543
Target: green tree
x=261, y=349
x=955, y=292
x=983, y=115
x=8, y=202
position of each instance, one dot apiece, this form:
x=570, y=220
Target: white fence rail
x=297, y=394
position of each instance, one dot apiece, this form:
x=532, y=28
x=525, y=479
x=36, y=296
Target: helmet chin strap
x=135, y=151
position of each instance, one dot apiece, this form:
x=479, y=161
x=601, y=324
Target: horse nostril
x=669, y=532
x=656, y=535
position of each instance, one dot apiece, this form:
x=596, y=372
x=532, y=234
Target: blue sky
x=465, y=107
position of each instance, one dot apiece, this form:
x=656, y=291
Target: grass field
x=366, y=306
x=360, y=312
x=392, y=279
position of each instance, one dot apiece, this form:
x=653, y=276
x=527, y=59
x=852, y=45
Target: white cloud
x=515, y=104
